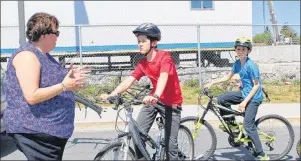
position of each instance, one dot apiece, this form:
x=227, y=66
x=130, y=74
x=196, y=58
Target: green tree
x=263, y=37
x=287, y=31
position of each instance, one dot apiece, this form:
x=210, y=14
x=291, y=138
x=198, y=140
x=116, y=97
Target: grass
x=277, y=90
x=281, y=93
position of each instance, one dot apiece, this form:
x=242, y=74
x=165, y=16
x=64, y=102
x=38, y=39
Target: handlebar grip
x=137, y=102
x=113, y=99
x=206, y=91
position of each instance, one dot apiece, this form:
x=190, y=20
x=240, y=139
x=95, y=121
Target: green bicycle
x=203, y=132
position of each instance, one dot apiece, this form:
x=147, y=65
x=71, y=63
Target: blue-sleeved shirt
x=248, y=72
x=55, y=116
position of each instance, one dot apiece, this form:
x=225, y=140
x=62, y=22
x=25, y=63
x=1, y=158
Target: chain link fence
x=112, y=49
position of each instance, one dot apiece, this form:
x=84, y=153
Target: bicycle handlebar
x=118, y=99
x=206, y=92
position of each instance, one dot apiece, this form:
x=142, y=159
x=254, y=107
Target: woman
x=40, y=102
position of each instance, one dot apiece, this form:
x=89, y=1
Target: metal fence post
x=199, y=55
x=22, y=38
x=80, y=45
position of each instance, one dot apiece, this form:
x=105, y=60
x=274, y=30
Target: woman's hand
x=75, y=79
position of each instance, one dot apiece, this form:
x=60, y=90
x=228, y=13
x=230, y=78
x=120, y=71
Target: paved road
x=85, y=145
x=92, y=133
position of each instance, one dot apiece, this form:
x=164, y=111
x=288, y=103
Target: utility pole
x=274, y=22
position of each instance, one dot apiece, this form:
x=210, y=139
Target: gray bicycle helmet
x=149, y=29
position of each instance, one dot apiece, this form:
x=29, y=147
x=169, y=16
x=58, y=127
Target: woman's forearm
x=43, y=94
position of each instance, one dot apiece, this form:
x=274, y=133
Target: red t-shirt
x=163, y=62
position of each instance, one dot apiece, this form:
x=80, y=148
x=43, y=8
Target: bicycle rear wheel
x=278, y=127
x=185, y=145
x=116, y=149
x=205, y=138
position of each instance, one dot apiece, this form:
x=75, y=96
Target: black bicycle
x=93, y=103
x=121, y=149
x=276, y=145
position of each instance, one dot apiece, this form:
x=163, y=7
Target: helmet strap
x=150, y=49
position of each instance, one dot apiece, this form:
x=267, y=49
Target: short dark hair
x=40, y=24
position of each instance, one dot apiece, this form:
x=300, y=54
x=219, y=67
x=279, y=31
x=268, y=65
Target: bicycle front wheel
x=276, y=135
x=185, y=145
x=88, y=103
x=114, y=151
x=204, y=139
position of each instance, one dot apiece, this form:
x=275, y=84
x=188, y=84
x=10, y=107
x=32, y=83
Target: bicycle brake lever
x=80, y=109
x=115, y=107
x=86, y=112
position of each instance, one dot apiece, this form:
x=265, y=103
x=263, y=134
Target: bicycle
x=139, y=137
x=235, y=139
x=89, y=103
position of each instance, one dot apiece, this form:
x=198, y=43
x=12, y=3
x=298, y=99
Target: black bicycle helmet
x=149, y=29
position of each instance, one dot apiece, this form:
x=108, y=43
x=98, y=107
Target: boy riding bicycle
x=250, y=96
x=158, y=65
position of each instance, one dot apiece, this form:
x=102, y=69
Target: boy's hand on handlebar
x=242, y=106
x=150, y=100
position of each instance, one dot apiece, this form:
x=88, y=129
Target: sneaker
x=263, y=157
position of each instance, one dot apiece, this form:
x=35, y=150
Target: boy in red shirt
x=158, y=65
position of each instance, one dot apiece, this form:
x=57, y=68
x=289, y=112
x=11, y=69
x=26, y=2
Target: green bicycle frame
x=262, y=135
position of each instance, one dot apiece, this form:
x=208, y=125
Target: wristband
x=63, y=86
x=156, y=96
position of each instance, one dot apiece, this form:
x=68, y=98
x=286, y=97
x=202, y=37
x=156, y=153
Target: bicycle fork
x=126, y=140
x=199, y=123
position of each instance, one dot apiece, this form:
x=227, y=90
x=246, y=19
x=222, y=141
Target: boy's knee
x=249, y=125
x=220, y=99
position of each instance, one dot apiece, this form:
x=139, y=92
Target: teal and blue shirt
x=248, y=72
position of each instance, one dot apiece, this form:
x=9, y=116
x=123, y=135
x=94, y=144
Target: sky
x=285, y=11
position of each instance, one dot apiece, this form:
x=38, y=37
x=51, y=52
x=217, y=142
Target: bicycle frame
x=262, y=136
x=132, y=130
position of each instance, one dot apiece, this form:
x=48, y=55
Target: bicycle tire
x=298, y=148
x=209, y=153
x=113, y=145
x=290, y=130
x=188, y=133
x=88, y=103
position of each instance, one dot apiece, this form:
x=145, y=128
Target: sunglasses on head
x=57, y=33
